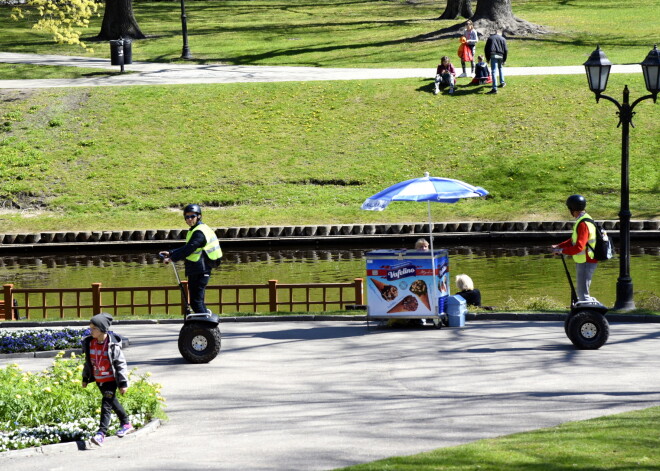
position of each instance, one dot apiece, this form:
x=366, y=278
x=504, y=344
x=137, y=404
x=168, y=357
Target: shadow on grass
x=459, y=90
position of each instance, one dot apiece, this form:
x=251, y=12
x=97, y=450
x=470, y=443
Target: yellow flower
x=47, y=390
x=18, y=396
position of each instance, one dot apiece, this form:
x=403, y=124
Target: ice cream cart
x=410, y=284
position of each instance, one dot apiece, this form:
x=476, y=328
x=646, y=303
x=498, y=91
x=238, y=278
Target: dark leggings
x=197, y=288
x=110, y=403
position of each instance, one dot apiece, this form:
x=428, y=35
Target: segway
x=586, y=325
x=200, y=337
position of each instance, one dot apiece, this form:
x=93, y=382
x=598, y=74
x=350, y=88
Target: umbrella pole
x=434, y=293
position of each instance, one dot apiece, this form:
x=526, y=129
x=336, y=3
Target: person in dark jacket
x=496, y=53
x=466, y=289
x=106, y=366
x=201, y=254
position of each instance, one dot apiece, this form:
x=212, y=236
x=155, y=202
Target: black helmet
x=193, y=208
x=576, y=203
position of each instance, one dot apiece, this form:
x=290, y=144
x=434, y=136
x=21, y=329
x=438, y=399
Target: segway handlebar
x=178, y=280
x=574, y=297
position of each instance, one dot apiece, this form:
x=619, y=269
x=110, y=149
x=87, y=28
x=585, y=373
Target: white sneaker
x=436, y=91
x=462, y=75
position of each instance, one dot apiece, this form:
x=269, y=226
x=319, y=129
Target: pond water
x=499, y=272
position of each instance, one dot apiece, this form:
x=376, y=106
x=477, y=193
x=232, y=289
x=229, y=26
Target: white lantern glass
x=651, y=69
x=598, y=70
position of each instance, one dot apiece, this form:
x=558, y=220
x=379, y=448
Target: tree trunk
x=455, y=8
x=119, y=21
x=494, y=15
x=494, y=10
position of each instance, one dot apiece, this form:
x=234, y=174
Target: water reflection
x=272, y=256
x=500, y=272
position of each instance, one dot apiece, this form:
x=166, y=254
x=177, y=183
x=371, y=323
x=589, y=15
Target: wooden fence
x=50, y=303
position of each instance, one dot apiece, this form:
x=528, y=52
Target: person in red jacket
x=580, y=246
x=106, y=366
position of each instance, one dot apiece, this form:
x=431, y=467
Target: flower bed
x=51, y=406
x=35, y=340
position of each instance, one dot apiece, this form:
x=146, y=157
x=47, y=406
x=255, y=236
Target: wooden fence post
x=272, y=295
x=359, y=291
x=96, y=298
x=9, y=302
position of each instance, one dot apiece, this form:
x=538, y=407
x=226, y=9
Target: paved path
x=160, y=74
x=315, y=396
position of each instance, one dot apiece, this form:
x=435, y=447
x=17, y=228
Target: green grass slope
x=296, y=153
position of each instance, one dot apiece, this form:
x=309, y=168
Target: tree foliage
x=64, y=20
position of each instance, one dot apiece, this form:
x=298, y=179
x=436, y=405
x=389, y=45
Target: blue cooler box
x=456, y=310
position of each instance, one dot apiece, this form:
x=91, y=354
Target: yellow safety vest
x=582, y=257
x=212, y=247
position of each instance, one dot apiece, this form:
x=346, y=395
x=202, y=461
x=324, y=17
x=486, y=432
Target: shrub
x=51, y=406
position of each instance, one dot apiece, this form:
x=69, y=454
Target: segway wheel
x=199, y=343
x=588, y=330
x=566, y=321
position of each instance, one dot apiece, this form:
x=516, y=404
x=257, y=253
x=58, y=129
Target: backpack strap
x=596, y=226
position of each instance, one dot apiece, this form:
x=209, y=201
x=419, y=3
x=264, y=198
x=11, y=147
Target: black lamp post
x=598, y=71
x=185, y=53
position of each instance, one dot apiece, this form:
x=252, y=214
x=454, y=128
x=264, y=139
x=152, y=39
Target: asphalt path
x=146, y=73
x=321, y=395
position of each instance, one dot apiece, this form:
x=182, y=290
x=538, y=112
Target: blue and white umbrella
x=440, y=190
x=427, y=188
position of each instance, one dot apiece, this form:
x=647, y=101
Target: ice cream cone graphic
x=407, y=304
x=425, y=299
x=419, y=288
x=388, y=292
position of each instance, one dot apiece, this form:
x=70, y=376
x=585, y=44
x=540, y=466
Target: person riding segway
x=199, y=339
x=586, y=325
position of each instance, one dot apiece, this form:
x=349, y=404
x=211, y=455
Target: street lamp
x=598, y=70
x=185, y=53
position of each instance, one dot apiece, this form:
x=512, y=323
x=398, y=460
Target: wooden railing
x=49, y=303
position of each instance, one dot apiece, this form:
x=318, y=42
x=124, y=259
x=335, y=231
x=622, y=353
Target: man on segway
x=586, y=325
x=201, y=254
x=200, y=337
x=580, y=246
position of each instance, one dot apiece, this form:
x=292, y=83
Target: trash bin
x=128, y=51
x=456, y=310
x=117, y=52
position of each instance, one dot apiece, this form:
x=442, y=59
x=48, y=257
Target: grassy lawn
x=358, y=33
x=618, y=442
x=302, y=153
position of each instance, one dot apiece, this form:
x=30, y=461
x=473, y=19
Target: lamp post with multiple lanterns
x=598, y=70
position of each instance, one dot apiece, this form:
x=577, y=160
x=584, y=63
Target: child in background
x=481, y=74
x=466, y=54
x=445, y=75
x=471, y=38
x=105, y=364
x=422, y=244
